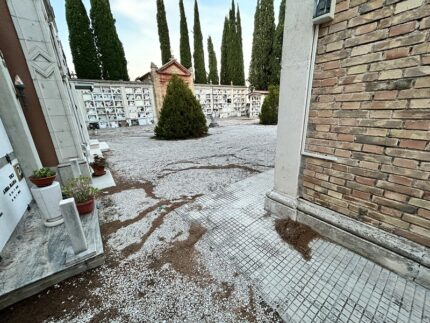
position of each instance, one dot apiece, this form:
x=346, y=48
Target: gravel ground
x=159, y=267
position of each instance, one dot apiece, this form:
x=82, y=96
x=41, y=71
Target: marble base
x=37, y=257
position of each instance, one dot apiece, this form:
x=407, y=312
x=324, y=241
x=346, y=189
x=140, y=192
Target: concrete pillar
x=73, y=225
x=295, y=84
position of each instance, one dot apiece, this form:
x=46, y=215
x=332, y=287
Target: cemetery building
x=160, y=78
x=353, y=152
x=112, y=104
x=222, y=101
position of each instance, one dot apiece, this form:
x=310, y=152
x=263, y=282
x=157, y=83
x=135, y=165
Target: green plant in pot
x=84, y=194
x=98, y=166
x=43, y=177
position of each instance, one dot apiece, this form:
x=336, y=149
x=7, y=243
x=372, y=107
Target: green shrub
x=43, y=173
x=181, y=116
x=80, y=189
x=269, y=110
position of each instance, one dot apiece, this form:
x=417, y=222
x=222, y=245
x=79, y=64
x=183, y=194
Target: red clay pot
x=86, y=207
x=42, y=182
x=98, y=170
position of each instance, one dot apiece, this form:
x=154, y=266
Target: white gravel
x=132, y=289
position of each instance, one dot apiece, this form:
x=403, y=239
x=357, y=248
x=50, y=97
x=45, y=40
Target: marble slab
x=105, y=181
x=37, y=257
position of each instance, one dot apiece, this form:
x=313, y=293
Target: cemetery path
x=159, y=266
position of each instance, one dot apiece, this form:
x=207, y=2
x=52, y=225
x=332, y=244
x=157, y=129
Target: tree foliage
x=213, y=64
x=232, y=67
x=181, y=116
x=82, y=42
x=163, y=32
x=261, y=69
x=269, y=110
x=199, y=54
x=185, y=50
x=225, y=75
x=111, y=51
x=277, y=46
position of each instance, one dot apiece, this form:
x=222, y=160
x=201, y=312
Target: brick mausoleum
x=356, y=144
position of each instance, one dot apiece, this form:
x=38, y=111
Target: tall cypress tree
x=82, y=43
x=112, y=56
x=261, y=69
x=232, y=45
x=240, y=70
x=186, y=59
x=163, y=32
x=253, y=71
x=277, y=46
x=199, y=54
x=232, y=70
x=225, y=79
x=213, y=64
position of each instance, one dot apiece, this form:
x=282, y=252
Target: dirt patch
x=123, y=184
x=209, y=167
x=133, y=248
x=105, y=315
x=111, y=227
x=182, y=254
x=225, y=292
x=298, y=235
x=248, y=312
x=52, y=303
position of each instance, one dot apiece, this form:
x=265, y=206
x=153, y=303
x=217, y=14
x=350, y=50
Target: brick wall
x=371, y=108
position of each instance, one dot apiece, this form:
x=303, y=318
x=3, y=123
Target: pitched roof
x=173, y=61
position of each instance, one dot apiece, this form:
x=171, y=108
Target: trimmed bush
x=269, y=110
x=181, y=116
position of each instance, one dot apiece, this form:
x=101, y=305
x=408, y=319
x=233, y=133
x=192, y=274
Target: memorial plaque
x=14, y=193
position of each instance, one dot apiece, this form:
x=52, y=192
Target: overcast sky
x=137, y=28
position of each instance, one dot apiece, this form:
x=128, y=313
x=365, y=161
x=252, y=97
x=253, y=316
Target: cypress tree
x=262, y=64
x=213, y=64
x=232, y=46
x=277, y=46
x=184, y=40
x=240, y=70
x=163, y=32
x=253, y=70
x=224, y=59
x=112, y=56
x=232, y=70
x=82, y=43
x=199, y=54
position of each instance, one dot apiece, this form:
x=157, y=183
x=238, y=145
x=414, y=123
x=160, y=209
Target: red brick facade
x=371, y=109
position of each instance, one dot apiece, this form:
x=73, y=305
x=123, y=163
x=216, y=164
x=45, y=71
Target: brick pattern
x=371, y=109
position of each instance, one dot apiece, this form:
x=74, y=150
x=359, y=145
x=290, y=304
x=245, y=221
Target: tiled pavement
x=336, y=285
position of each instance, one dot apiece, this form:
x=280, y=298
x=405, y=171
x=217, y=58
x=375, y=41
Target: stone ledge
x=49, y=265
x=402, y=256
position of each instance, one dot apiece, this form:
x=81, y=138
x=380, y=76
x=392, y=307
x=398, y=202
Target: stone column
x=294, y=91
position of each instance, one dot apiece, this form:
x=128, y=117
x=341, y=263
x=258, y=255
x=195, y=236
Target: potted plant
x=98, y=166
x=84, y=194
x=43, y=177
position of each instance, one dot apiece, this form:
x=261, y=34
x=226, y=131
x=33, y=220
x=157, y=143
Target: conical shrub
x=181, y=116
x=269, y=110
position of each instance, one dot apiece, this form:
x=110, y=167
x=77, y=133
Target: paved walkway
x=336, y=285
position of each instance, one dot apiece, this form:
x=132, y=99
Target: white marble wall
x=37, y=34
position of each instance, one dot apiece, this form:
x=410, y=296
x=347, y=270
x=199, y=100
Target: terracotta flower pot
x=86, y=207
x=42, y=182
x=98, y=170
